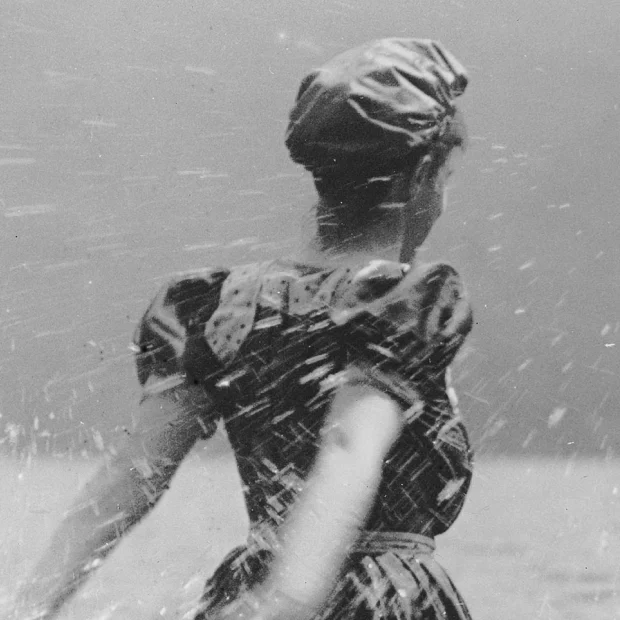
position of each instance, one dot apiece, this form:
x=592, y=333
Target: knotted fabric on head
x=374, y=105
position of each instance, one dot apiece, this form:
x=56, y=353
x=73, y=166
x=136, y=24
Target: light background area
x=539, y=538
x=139, y=139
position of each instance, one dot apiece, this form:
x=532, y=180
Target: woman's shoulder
x=179, y=285
x=218, y=303
x=421, y=316
x=380, y=286
x=424, y=293
x=437, y=294
x=434, y=287
x=430, y=301
x=177, y=314
x=189, y=293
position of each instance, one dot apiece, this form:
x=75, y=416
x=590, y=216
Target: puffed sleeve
x=403, y=346
x=170, y=339
x=410, y=335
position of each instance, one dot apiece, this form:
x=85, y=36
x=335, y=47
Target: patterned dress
x=271, y=342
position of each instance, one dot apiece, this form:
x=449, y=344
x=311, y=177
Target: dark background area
x=139, y=139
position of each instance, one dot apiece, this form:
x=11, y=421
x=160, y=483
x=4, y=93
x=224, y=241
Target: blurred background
x=142, y=138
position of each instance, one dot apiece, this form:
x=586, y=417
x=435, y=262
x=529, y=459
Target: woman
x=328, y=371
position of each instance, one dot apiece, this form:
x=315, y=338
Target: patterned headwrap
x=374, y=104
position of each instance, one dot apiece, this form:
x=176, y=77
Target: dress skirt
x=387, y=576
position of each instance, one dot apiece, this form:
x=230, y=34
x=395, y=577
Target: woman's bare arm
x=362, y=426
x=124, y=489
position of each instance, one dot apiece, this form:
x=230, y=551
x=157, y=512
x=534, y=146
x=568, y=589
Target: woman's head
x=371, y=123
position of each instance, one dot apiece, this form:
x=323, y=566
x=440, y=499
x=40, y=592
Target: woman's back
x=329, y=374
x=286, y=335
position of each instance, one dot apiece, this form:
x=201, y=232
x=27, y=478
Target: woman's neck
x=381, y=239
x=312, y=253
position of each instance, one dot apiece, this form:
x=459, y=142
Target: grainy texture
x=537, y=539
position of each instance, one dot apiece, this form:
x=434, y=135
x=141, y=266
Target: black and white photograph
x=309, y=310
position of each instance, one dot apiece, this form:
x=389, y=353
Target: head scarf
x=374, y=104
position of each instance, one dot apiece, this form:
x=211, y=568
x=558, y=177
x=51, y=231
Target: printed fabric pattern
x=271, y=343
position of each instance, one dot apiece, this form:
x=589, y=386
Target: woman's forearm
x=104, y=510
x=315, y=540
x=123, y=490
x=334, y=505
x=322, y=530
